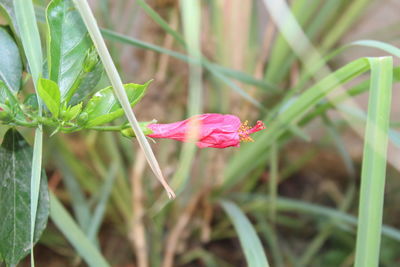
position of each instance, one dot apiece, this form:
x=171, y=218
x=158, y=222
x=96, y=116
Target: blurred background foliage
x=293, y=193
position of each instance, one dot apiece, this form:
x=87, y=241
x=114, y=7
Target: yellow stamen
x=243, y=132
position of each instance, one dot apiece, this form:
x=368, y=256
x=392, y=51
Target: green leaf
x=10, y=61
x=374, y=163
x=15, y=180
x=249, y=240
x=104, y=107
x=30, y=39
x=50, y=94
x=69, y=44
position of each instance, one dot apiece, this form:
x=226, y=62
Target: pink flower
x=215, y=130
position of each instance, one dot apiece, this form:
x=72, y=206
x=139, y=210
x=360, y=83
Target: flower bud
x=213, y=130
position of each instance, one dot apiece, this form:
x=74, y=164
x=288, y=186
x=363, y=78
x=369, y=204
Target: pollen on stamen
x=244, y=132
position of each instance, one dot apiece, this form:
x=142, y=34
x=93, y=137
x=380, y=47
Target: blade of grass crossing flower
x=249, y=240
x=30, y=39
x=374, y=163
x=191, y=17
x=74, y=234
x=119, y=90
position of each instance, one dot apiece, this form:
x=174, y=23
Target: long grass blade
x=119, y=90
x=191, y=17
x=30, y=38
x=374, y=163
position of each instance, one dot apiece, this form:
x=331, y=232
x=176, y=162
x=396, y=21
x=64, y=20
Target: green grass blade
x=191, y=17
x=374, y=163
x=74, y=234
x=249, y=240
x=119, y=90
x=356, y=90
x=26, y=20
x=30, y=38
x=305, y=76
x=391, y=49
